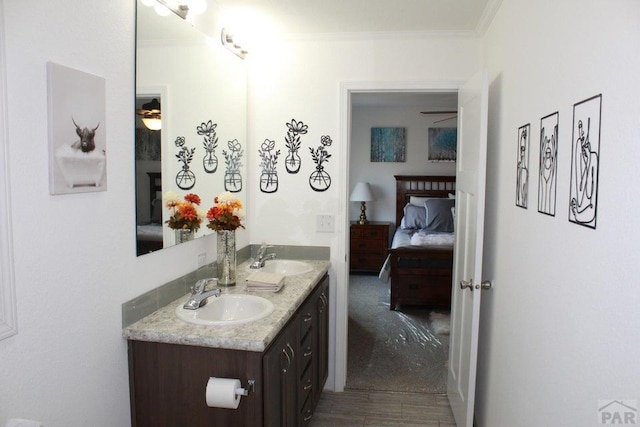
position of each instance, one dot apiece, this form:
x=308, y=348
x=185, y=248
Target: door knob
x=464, y=284
x=486, y=284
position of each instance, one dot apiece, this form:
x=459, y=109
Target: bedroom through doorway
x=403, y=350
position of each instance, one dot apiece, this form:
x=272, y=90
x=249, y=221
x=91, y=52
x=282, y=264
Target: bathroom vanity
x=285, y=354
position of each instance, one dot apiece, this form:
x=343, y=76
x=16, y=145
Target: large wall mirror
x=199, y=89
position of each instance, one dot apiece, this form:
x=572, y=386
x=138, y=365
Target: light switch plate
x=325, y=223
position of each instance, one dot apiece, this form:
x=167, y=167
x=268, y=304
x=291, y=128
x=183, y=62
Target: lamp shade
x=151, y=114
x=362, y=193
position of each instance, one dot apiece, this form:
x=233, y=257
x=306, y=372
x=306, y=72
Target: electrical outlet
x=325, y=223
x=202, y=259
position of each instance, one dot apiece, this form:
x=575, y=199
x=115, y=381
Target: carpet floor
x=405, y=350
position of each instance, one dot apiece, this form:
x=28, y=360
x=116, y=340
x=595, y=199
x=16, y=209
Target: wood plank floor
x=379, y=408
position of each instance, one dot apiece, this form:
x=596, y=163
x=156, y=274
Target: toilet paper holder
x=250, y=388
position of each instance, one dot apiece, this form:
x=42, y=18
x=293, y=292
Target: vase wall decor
x=208, y=132
x=233, y=161
x=269, y=159
x=320, y=180
x=184, y=235
x=292, y=141
x=226, y=260
x=185, y=178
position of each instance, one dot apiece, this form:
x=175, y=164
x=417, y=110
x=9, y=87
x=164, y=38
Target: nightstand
x=369, y=244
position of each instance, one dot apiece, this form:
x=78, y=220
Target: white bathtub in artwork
x=81, y=169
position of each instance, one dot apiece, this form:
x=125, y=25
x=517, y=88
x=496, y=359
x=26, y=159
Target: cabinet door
x=322, y=348
x=281, y=380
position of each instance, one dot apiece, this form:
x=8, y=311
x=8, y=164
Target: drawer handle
x=308, y=417
x=307, y=387
x=307, y=354
x=293, y=353
x=308, y=318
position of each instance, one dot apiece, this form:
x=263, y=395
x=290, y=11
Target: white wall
x=380, y=174
x=560, y=330
x=302, y=80
x=74, y=255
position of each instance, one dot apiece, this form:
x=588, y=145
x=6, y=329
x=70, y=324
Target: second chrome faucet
x=262, y=256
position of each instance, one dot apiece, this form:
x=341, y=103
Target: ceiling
x=312, y=17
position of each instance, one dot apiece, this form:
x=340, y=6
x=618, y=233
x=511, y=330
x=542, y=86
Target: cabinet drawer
x=306, y=351
x=305, y=320
x=366, y=261
x=306, y=387
x=376, y=233
x=373, y=233
x=368, y=246
x=306, y=414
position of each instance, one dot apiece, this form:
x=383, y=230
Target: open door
x=469, y=225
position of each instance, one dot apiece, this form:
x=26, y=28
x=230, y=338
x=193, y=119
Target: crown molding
x=489, y=13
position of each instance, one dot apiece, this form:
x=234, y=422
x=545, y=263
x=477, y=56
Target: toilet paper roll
x=221, y=393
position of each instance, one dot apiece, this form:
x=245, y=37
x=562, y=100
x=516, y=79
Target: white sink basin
x=286, y=267
x=228, y=309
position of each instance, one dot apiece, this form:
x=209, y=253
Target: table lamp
x=362, y=193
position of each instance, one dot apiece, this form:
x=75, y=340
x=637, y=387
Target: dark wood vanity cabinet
x=296, y=365
x=168, y=381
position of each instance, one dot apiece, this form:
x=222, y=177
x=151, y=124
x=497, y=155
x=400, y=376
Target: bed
x=420, y=262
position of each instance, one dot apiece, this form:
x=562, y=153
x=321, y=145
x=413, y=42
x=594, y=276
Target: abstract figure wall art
x=522, y=171
x=585, y=162
x=548, y=164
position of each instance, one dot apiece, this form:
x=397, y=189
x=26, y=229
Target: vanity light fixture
x=362, y=193
x=180, y=7
x=151, y=116
x=233, y=45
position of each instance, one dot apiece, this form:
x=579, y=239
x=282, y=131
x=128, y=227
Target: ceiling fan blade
x=444, y=120
x=438, y=112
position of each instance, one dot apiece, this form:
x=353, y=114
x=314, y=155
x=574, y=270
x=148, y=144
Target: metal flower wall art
x=208, y=131
x=185, y=178
x=292, y=141
x=232, y=160
x=320, y=180
x=268, y=161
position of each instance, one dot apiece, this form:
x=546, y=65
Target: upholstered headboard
x=420, y=186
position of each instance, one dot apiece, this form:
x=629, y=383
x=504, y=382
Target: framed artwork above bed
x=388, y=144
x=443, y=144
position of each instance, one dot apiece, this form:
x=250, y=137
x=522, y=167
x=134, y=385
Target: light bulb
x=161, y=10
x=197, y=7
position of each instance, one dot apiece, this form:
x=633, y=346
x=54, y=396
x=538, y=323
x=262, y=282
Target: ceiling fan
x=442, y=112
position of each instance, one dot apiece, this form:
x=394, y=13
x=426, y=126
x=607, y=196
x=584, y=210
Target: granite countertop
x=164, y=326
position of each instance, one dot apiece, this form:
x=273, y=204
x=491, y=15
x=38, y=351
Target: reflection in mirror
x=201, y=90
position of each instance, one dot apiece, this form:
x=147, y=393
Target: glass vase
x=226, y=260
x=184, y=235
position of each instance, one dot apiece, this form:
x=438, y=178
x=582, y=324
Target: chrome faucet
x=199, y=294
x=262, y=256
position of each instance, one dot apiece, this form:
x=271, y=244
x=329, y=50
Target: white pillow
x=452, y=196
x=418, y=201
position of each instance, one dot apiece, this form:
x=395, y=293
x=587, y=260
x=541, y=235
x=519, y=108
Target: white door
x=469, y=226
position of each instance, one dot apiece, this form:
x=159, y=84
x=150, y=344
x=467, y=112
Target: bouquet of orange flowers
x=226, y=213
x=184, y=215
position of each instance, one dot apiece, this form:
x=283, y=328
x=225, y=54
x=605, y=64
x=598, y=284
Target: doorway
x=392, y=347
